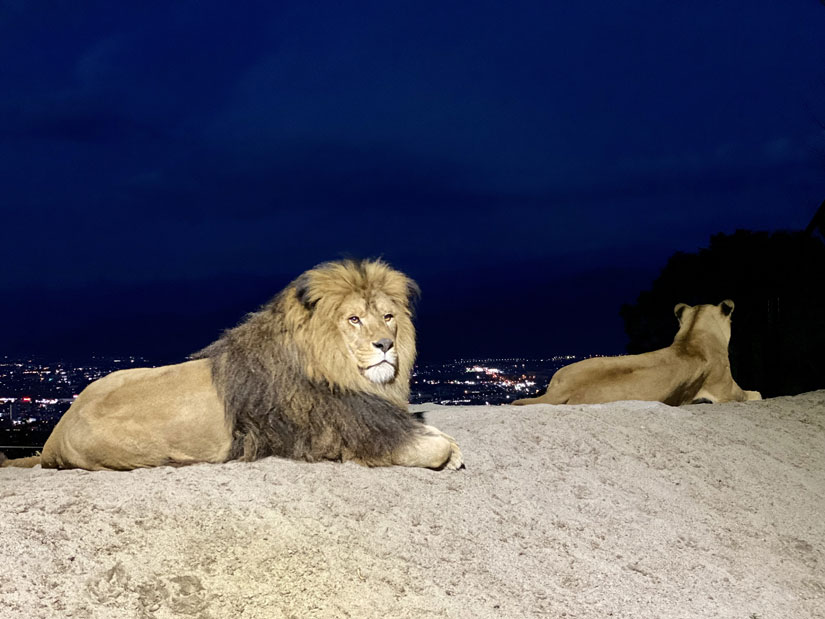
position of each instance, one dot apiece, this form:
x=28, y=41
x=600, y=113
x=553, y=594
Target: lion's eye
x=354, y=320
x=388, y=317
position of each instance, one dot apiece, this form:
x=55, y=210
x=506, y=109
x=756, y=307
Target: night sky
x=166, y=167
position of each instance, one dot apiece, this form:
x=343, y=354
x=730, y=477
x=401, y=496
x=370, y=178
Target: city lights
x=34, y=395
x=482, y=381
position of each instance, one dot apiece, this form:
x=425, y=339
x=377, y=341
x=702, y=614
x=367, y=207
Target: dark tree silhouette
x=818, y=221
x=777, y=281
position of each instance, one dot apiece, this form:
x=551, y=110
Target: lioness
x=695, y=368
x=321, y=372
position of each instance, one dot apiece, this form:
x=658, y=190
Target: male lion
x=695, y=368
x=321, y=372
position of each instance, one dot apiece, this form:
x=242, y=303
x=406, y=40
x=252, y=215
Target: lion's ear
x=679, y=310
x=302, y=292
x=727, y=307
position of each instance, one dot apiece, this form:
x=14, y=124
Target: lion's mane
x=291, y=389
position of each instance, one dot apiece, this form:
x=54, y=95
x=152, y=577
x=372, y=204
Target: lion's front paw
x=753, y=395
x=433, y=450
x=456, y=460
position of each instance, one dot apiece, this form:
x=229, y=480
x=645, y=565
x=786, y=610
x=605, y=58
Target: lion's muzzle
x=383, y=367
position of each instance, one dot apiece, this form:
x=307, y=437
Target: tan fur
x=337, y=292
x=304, y=354
x=695, y=367
x=24, y=463
x=142, y=418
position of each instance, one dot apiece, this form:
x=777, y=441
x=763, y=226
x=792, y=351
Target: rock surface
x=631, y=509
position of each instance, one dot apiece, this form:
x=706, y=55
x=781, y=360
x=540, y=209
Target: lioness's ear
x=679, y=310
x=727, y=307
x=302, y=288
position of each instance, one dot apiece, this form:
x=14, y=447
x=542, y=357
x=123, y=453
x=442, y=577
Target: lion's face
x=369, y=331
x=352, y=322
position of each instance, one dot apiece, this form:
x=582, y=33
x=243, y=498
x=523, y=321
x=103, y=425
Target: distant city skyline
x=50, y=382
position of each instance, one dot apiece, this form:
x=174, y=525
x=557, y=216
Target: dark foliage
x=777, y=281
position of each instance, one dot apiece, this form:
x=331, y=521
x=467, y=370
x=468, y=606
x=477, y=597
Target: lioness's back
x=604, y=379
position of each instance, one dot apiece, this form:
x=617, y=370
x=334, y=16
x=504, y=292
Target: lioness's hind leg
x=753, y=395
x=431, y=449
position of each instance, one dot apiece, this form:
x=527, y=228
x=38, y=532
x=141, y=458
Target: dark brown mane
x=275, y=409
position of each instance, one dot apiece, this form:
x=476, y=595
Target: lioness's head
x=352, y=320
x=711, y=319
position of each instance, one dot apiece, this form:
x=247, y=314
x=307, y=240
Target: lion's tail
x=557, y=392
x=551, y=396
x=26, y=463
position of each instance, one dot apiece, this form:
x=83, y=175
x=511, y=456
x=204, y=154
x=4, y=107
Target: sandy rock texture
x=631, y=509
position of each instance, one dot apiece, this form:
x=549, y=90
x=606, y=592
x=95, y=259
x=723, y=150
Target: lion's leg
x=740, y=395
x=733, y=394
x=703, y=396
x=430, y=449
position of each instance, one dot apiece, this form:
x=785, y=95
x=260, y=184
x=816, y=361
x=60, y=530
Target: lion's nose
x=384, y=344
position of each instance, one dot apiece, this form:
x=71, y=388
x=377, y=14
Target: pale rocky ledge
x=630, y=509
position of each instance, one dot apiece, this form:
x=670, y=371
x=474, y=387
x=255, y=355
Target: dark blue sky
x=167, y=166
